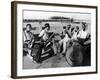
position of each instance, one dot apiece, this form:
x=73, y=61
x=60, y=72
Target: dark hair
x=69, y=27
x=43, y=28
x=47, y=25
x=84, y=24
x=72, y=29
x=77, y=27
x=64, y=27
x=30, y=26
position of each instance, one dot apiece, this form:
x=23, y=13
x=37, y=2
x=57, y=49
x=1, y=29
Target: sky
x=29, y=14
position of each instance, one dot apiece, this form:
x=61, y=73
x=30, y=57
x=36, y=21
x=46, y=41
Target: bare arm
x=41, y=33
x=68, y=34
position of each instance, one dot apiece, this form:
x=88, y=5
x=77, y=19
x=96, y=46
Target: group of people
x=74, y=34
x=69, y=33
x=29, y=37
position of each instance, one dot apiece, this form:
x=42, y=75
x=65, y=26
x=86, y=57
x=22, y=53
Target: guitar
x=37, y=48
x=50, y=39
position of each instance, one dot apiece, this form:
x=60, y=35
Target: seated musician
x=29, y=38
x=72, y=31
x=65, y=39
x=45, y=38
x=75, y=33
x=83, y=34
x=44, y=33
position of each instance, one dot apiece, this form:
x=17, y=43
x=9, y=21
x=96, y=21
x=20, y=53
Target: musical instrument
x=50, y=39
x=41, y=50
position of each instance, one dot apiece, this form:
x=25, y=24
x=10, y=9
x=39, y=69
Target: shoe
x=55, y=54
x=39, y=62
x=63, y=54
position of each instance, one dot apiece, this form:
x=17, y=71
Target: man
x=44, y=33
x=28, y=38
x=75, y=33
x=72, y=31
x=45, y=38
x=83, y=34
x=77, y=28
x=65, y=39
x=63, y=32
